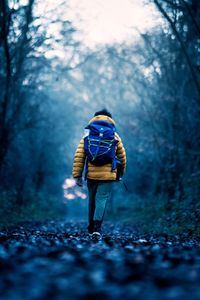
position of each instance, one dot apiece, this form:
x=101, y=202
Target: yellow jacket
x=98, y=172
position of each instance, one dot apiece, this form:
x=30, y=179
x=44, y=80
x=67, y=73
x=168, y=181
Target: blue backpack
x=100, y=144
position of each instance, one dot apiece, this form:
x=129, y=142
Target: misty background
x=60, y=61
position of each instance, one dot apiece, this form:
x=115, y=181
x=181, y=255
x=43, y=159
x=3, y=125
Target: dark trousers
x=99, y=194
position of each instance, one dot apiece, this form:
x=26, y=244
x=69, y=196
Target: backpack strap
x=114, y=159
x=86, y=169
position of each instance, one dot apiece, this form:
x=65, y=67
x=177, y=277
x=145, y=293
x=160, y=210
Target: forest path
x=58, y=260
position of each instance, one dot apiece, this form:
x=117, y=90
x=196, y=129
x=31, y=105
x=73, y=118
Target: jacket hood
x=102, y=118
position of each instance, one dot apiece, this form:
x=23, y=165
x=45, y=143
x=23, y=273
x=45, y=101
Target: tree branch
x=194, y=76
x=191, y=15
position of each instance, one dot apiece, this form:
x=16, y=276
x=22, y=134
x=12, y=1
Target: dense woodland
x=152, y=88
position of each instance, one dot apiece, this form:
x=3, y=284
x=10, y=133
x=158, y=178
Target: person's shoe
x=97, y=230
x=96, y=235
x=90, y=229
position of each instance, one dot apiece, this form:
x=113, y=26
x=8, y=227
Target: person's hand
x=79, y=181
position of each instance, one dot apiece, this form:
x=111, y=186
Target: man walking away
x=102, y=153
